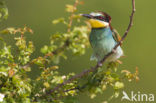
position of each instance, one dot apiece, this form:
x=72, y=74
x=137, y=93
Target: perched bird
x=103, y=37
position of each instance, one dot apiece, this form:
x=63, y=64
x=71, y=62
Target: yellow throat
x=97, y=24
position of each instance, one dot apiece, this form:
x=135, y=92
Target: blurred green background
x=139, y=47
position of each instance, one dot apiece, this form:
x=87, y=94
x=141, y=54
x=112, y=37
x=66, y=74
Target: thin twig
x=103, y=60
x=72, y=16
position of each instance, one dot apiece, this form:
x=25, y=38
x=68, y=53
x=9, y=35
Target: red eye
x=100, y=17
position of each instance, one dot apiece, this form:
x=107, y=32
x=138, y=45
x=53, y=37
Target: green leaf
x=118, y=85
x=59, y=20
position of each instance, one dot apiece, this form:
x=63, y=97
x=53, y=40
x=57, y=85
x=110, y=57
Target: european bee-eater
x=103, y=37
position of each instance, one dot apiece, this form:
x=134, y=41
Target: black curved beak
x=87, y=16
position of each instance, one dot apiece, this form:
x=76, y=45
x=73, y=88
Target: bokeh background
x=139, y=47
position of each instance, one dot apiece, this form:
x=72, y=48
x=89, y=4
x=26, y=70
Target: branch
x=99, y=64
x=72, y=15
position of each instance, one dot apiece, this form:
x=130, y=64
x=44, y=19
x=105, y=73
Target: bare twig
x=99, y=64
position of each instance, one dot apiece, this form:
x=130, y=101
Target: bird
x=103, y=37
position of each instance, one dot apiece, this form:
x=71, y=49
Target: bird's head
x=98, y=19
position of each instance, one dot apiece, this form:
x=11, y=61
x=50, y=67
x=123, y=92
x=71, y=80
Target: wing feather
x=116, y=35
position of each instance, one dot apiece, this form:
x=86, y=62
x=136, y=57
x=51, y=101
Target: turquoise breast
x=102, y=42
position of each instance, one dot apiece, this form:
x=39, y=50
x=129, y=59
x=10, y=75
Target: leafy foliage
x=15, y=62
x=3, y=11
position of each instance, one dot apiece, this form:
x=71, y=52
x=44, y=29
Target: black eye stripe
x=107, y=19
x=99, y=17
